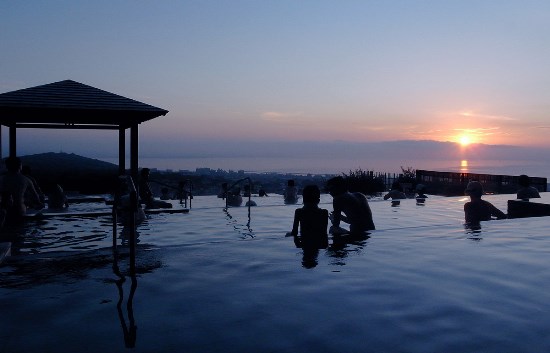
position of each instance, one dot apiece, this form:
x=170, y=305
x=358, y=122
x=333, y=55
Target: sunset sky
x=294, y=70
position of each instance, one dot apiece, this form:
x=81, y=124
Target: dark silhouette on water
x=526, y=191
x=477, y=210
x=145, y=193
x=352, y=208
x=309, y=228
x=14, y=187
x=291, y=193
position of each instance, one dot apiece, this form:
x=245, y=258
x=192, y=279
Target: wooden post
x=13, y=141
x=121, y=151
x=134, y=152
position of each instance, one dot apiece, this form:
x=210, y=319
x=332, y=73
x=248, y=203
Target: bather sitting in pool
x=57, y=198
x=145, y=193
x=526, y=191
x=311, y=220
x=14, y=185
x=478, y=210
x=354, y=206
x=396, y=192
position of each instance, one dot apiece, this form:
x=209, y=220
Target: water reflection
x=464, y=166
x=245, y=230
x=129, y=329
x=473, y=230
x=344, y=245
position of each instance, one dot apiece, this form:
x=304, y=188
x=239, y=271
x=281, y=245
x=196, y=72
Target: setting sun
x=465, y=140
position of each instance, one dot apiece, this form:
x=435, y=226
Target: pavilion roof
x=70, y=103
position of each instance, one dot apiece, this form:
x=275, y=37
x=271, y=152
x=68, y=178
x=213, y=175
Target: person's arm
x=34, y=195
x=495, y=212
x=296, y=222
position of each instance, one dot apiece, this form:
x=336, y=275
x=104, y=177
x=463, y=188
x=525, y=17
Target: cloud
x=280, y=117
x=471, y=114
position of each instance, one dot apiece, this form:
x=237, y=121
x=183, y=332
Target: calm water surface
x=230, y=281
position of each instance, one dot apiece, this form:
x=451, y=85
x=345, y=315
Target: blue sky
x=256, y=71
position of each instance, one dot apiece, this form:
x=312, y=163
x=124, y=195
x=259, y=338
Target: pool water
x=218, y=280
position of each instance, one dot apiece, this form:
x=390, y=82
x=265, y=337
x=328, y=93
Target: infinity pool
x=230, y=281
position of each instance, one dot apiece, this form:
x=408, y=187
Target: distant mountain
x=59, y=163
x=72, y=172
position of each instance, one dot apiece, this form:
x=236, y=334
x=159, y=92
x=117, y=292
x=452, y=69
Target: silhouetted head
x=311, y=194
x=337, y=186
x=396, y=186
x=523, y=180
x=13, y=164
x=145, y=172
x=290, y=182
x=474, y=188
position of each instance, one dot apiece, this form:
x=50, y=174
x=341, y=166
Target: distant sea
x=320, y=165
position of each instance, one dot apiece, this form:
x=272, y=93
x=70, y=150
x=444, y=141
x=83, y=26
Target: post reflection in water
x=129, y=330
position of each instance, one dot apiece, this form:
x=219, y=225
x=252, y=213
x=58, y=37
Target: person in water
x=526, y=191
x=291, y=192
x=311, y=220
x=146, y=194
x=352, y=208
x=14, y=186
x=26, y=171
x=396, y=192
x=477, y=210
x=57, y=198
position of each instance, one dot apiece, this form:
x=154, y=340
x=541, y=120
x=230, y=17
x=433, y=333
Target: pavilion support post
x=13, y=141
x=134, y=151
x=121, y=151
x=0, y=142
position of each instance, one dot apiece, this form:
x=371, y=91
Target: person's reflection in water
x=343, y=245
x=473, y=230
x=129, y=330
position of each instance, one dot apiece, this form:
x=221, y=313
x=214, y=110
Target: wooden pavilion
x=73, y=105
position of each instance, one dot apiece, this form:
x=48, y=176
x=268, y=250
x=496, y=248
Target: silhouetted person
x=291, y=192
x=234, y=197
x=311, y=221
x=26, y=171
x=420, y=194
x=352, y=208
x=164, y=194
x=478, y=210
x=396, y=192
x=57, y=198
x=145, y=193
x=526, y=191
x=13, y=187
x=262, y=193
x=182, y=193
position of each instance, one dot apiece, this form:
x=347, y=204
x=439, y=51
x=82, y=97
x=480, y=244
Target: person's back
x=354, y=205
x=57, y=198
x=396, y=192
x=478, y=210
x=526, y=191
x=291, y=193
x=14, y=186
x=311, y=220
x=357, y=210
